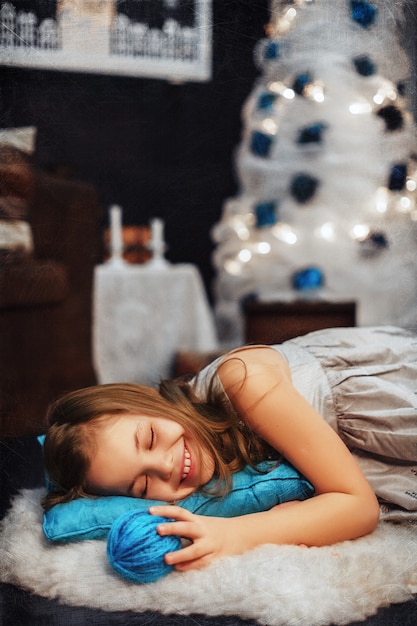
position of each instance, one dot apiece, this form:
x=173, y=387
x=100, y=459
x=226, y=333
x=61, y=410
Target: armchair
x=45, y=295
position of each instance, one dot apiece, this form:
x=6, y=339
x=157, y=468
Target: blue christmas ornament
x=402, y=88
x=136, y=551
x=364, y=65
x=260, y=143
x=398, y=177
x=312, y=133
x=265, y=213
x=266, y=100
x=362, y=12
x=301, y=81
x=308, y=278
x=392, y=117
x=303, y=187
x=271, y=51
x=374, y=244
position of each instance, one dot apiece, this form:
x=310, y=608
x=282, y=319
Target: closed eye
x=143, y=494
x=151, y=442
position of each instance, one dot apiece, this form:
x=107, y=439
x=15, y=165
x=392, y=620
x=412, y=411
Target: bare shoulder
x=253, y=365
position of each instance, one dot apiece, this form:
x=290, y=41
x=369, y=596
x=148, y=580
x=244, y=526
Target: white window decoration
x=94, y=37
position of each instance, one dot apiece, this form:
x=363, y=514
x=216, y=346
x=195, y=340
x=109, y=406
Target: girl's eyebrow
x=137, y=436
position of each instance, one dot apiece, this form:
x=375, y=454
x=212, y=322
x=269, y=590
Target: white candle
x=157, y=244
x=116, y=234
x=157, y=236
x=157, y=230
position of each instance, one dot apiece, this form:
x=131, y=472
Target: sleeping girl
x=340, y=405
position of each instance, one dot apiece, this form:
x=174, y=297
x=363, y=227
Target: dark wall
x=155, y=148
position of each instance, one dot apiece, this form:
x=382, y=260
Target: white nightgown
x=363, y=381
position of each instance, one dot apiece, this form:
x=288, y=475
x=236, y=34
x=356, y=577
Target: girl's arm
x=258, y=383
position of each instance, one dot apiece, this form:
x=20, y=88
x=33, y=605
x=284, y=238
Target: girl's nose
x=164, y=465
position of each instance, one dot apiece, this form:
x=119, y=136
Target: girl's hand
x=211, y=537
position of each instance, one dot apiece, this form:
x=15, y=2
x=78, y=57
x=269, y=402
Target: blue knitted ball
x=136, y=551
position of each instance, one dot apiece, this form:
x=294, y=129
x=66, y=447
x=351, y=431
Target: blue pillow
x=251, y=492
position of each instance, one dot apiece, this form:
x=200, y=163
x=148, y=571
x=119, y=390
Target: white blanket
x=275, y=585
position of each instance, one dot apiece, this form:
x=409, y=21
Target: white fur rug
x=275, y=585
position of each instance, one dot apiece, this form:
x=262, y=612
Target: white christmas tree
x=326, y=206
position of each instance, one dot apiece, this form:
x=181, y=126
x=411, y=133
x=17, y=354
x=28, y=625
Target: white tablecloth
x=142, y=316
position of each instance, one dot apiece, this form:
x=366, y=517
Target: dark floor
x=21, y=467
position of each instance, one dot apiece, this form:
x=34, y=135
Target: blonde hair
x=74, y=419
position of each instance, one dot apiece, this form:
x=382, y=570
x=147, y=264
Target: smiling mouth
x=187, y=463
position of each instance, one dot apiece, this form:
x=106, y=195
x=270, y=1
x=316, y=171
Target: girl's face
x=147, y=457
